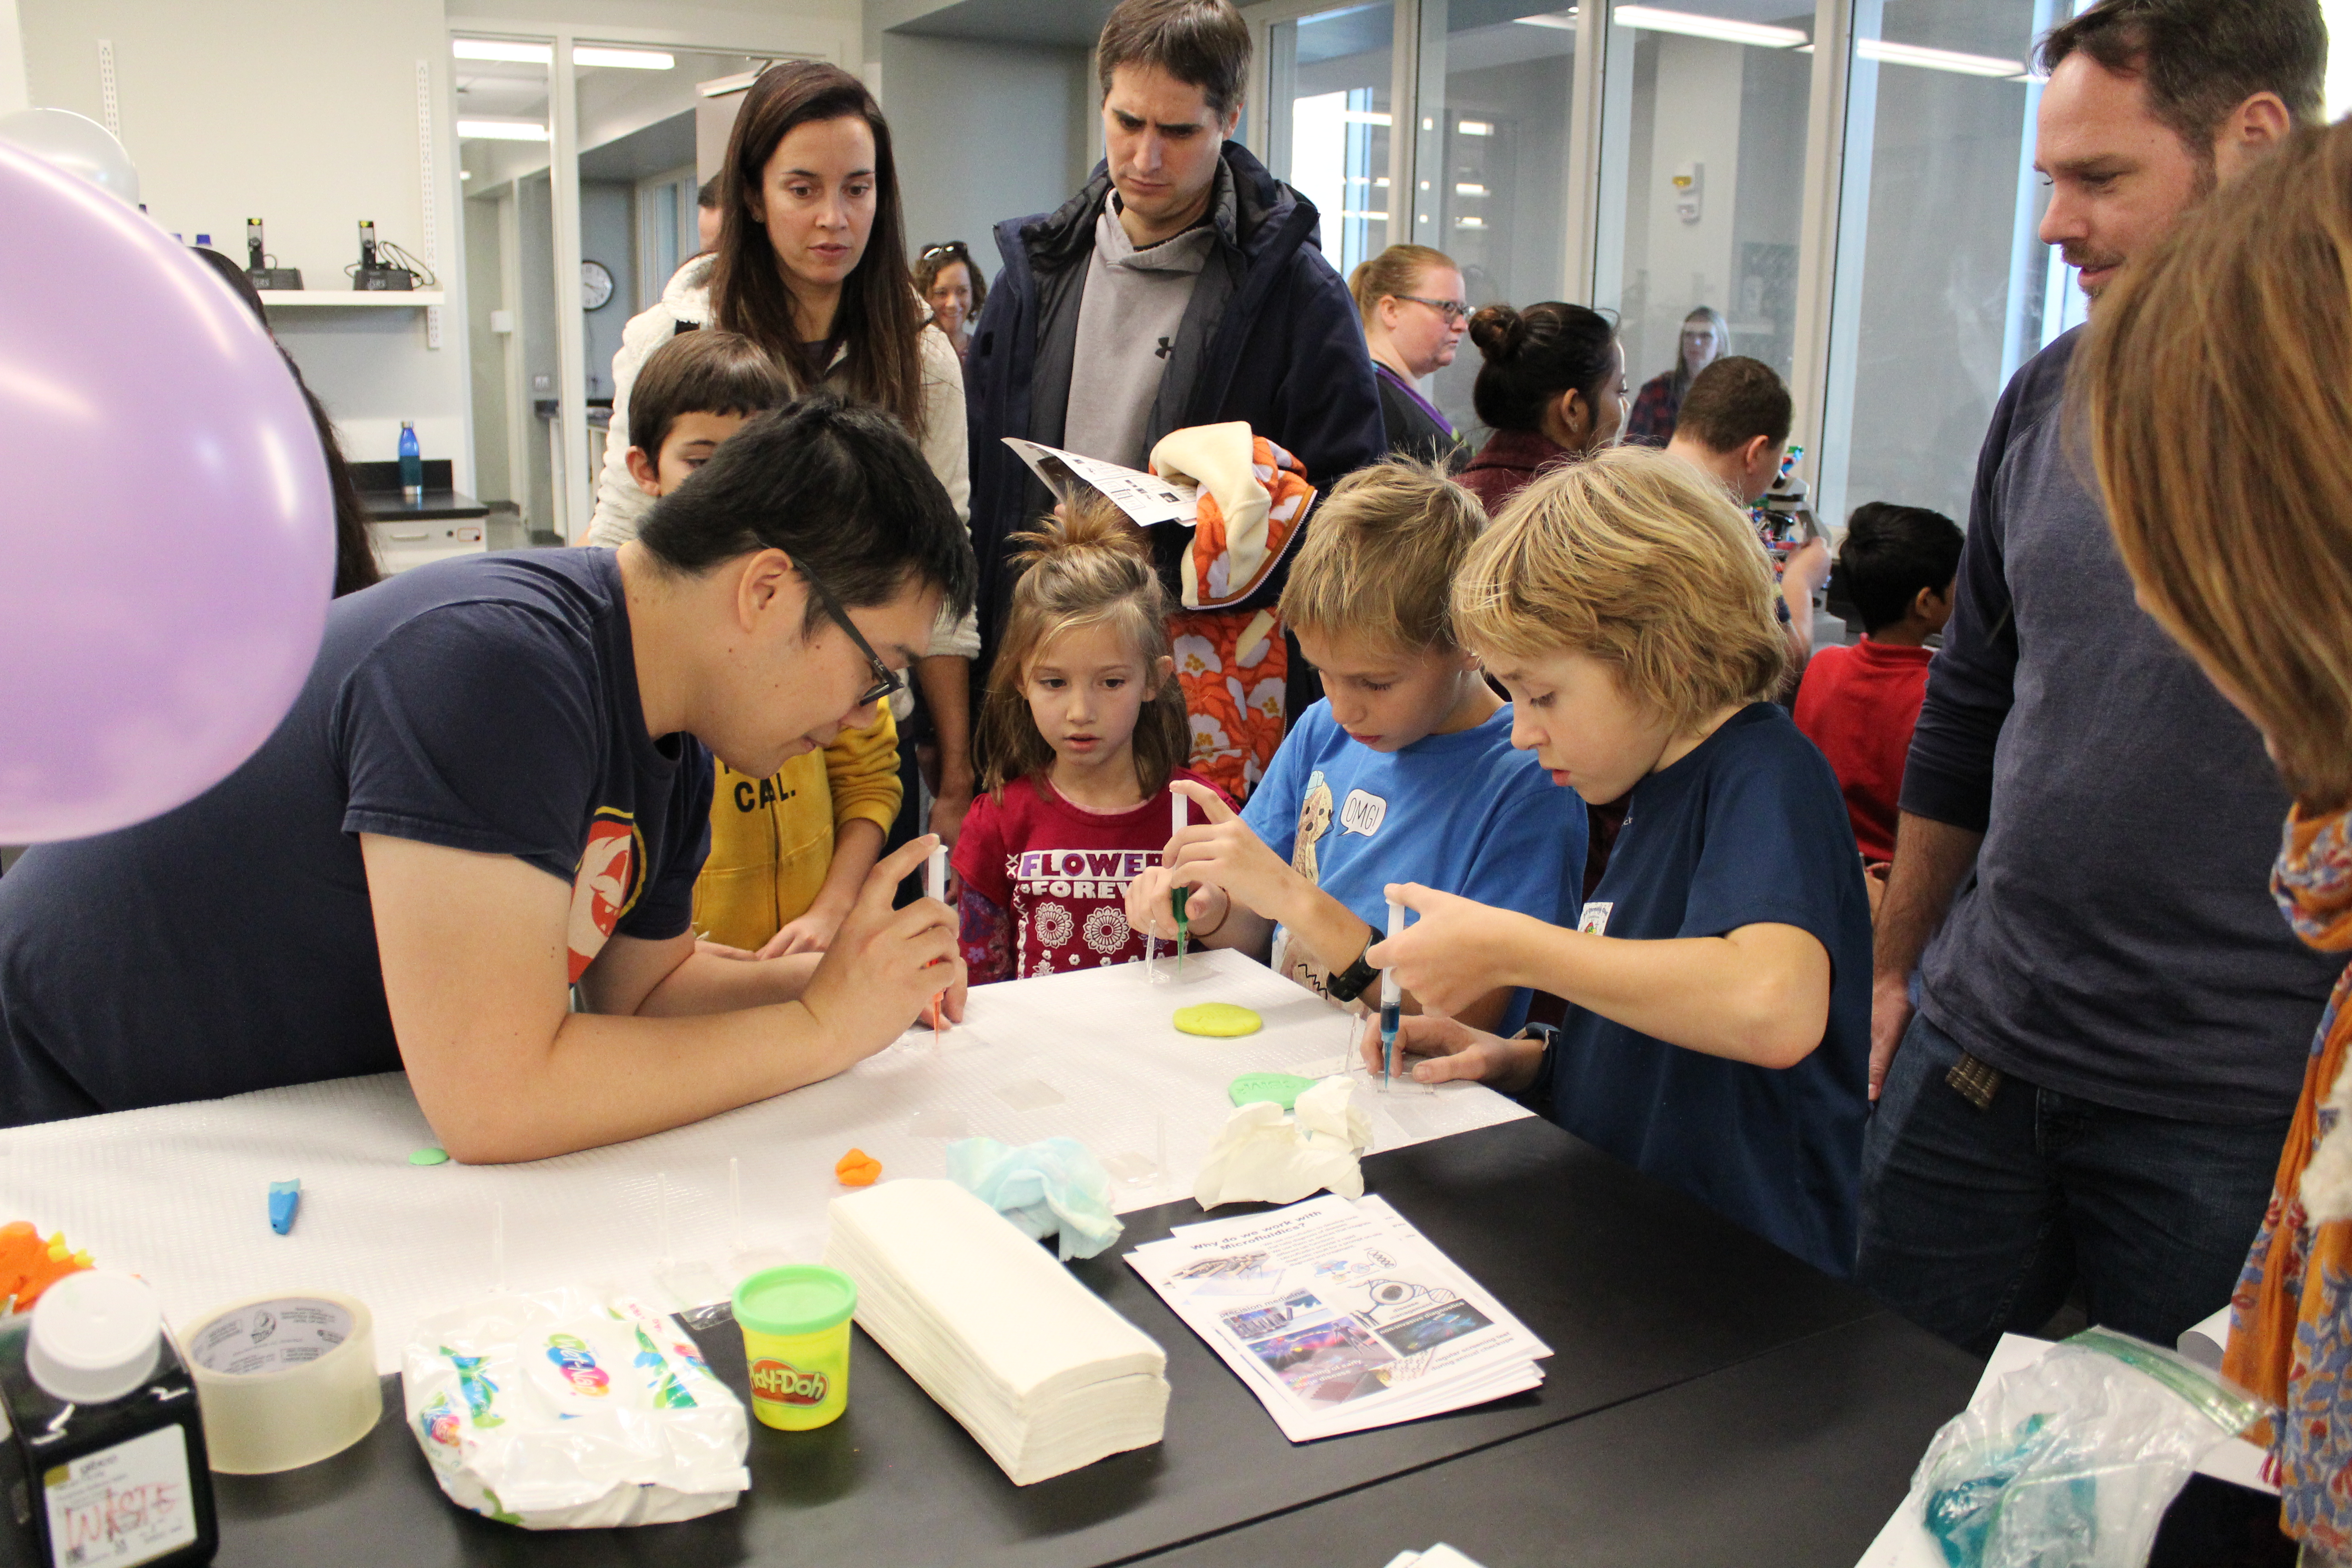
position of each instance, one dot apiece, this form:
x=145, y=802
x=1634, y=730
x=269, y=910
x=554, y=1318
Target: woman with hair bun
x=1552, y=389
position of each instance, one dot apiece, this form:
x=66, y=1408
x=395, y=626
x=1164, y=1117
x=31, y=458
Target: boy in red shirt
x=1858, y=704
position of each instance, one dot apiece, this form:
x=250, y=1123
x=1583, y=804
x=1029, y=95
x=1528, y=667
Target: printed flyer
x=1341, y=1317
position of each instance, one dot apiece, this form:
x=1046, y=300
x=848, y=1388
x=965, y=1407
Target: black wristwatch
x=1536, y=1096
x=1356, y=979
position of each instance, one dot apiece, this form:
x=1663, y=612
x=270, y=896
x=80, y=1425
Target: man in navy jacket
x=1218, y=304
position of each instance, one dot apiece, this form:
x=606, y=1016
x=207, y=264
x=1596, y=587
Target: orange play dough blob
x=30, y=1264
x=858, y=1169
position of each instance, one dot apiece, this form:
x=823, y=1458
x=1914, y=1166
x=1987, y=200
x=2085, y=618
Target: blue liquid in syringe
x=1388, y=1012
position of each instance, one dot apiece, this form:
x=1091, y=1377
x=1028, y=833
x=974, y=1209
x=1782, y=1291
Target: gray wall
x=608, y=233
x=982, y=131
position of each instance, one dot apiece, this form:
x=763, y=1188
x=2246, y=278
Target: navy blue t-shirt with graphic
x=488, y=703
x=1748, y=829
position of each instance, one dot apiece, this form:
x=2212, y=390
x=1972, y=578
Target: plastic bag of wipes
x=572, y=1409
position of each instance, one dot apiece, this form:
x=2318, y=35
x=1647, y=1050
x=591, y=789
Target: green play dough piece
x=1221, y=1019
x=429, y=1157
x=1282, y=1087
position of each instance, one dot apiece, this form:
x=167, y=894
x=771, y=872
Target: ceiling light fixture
x=1464, y=188
x=1649, y=18
x=1475, y=126
x=1563, y=20
x=1894, y=54
x=1364, y=116
x=623, y=59
x=507, y=50
x=501, y=130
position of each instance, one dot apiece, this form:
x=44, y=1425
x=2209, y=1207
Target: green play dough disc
x=1282, y=1087
x=429, y=1157
x=1221, y=1019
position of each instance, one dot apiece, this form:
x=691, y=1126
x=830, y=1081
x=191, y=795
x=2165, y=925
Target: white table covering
x=179, y=1193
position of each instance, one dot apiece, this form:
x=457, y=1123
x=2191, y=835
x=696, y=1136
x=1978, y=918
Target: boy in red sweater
x=1858, y=704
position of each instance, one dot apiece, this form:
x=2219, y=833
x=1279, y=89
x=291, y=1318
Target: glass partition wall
x=1490, y=160
x=1878, y=248
x=1942, y=287
x=1702, y=176
x=1329, y=132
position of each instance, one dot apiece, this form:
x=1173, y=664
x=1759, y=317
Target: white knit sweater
x=621, y=506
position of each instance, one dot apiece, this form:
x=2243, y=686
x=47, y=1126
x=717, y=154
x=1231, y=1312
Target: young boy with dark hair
x=788, y=852
x=1734, y=423
x=1859, y=704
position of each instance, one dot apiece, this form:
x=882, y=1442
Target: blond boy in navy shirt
x=1718, y=980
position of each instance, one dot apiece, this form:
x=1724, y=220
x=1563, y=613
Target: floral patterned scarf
x=2291, y=1315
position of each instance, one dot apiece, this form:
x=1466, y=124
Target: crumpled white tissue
x=1264, y=1155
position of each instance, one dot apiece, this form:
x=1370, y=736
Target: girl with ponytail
x=1081, y=734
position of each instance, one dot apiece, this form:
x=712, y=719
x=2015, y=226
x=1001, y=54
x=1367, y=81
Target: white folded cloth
x=1040, y=1373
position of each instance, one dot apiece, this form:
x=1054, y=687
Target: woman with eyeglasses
x=1552, y=390
x=952, y=287
x=811, y=264
x=1705, y=338
x=1409, y=298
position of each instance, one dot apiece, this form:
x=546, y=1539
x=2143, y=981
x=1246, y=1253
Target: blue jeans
x=1978, y=1222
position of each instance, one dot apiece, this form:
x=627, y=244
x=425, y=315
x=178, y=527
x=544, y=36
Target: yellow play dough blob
x=1219, y=1018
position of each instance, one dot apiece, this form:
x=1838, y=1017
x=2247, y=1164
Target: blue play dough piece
x=285, y=1197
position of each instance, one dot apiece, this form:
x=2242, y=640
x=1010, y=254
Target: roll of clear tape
x=284, y=1380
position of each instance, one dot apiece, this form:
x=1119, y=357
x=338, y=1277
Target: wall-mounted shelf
x=389, y=298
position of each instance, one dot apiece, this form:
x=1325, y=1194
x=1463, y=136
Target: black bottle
x=104, y=1465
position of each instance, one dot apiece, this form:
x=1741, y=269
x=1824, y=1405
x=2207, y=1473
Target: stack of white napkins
x=1040, y=1373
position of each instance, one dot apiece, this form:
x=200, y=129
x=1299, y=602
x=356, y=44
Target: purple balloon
x=167, y=543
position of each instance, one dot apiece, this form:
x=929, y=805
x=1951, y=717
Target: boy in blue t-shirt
x=1718, y=1035
x=1405, y=772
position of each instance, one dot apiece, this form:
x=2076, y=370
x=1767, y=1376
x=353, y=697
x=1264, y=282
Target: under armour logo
x=1165, y=348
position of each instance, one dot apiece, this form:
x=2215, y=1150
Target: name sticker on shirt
x=1594, y=920
x=1363, y=813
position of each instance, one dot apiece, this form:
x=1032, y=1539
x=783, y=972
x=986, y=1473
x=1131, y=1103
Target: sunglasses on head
x=952, y=248
x=884, y=683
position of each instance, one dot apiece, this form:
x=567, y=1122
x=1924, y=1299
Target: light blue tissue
x=1048, y=1188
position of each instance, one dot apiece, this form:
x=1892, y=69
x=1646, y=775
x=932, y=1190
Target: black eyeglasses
x=1452, y=309
x=884, y=683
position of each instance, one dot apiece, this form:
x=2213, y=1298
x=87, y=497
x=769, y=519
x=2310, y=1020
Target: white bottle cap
x=94, y=1338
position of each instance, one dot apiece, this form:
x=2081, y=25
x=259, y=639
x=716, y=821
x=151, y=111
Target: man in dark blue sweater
x=2112, y=1019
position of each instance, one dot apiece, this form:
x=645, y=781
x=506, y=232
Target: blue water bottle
x=412, y=464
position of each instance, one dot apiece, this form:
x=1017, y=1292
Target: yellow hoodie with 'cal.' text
x=772, y=840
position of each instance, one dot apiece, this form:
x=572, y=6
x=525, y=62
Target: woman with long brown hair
x=2214, y=385
x=812, y=266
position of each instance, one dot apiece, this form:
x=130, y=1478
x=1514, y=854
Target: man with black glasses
x=493, y=788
